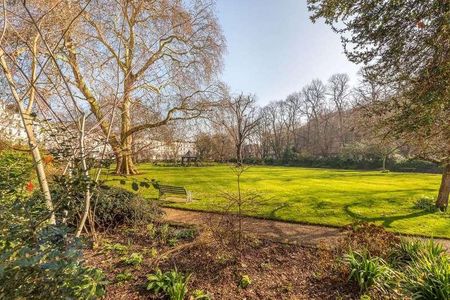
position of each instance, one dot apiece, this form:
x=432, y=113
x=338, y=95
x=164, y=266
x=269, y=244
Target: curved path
x=307, y=235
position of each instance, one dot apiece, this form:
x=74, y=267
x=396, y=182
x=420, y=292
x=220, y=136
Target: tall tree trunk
x=444, y=190
x=126, y=166
x=38, y=163
x=239, y=153
x=384, y=161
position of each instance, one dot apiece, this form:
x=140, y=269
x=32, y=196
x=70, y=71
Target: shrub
x=368, y=271
x=426, y=203
x=113, y=206
x=172, y=284
x=38, y=260
x=116, y=206
x=417, y=166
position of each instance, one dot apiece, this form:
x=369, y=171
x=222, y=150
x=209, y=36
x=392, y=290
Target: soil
x=282, y=260
x=277, y=270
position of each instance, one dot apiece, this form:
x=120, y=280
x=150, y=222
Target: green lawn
x=318, y=196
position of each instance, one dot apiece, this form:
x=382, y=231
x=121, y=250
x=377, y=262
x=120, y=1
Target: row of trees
x=321, y=120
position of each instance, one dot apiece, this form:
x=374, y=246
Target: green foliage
x=124, y=276
x=151, y=230
x=368, y=272
x=172, y=284
x=245, y=281
x=404, y=62
x=426, y=203
x=428, y=274
x=38, y=260
x=117, y=247
x=184, y=234
x=135, y=259
x=15, y=171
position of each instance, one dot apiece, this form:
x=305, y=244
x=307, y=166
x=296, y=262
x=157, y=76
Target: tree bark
x=126, y=166
x=87, y=191
x=239, y=154
x=444, y=190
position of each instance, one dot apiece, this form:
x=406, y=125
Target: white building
x=11, y=125
x=160, y=150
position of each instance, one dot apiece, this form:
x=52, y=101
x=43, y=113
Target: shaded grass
x=317, y=196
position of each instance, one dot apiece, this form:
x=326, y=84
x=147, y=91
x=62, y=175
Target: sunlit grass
x=318, y=196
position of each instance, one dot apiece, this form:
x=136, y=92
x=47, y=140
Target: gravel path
x=308, y=235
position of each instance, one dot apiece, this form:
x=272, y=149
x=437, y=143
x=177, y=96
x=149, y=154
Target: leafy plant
x=135, y=259
x=151, y=230
x=200, y=295
x=172, y=242
x=428, y=274
x=117, y=247
x=245, y=281
x=408, y=250
x=164, y=233
x=124, y=276
x=368, y=271
x=152, y=252
x=172, y=284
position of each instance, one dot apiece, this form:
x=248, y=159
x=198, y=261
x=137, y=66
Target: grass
x=317, y=196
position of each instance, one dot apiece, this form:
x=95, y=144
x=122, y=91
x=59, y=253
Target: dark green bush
x=112, y=206
x=416, y=166
x=116, y=206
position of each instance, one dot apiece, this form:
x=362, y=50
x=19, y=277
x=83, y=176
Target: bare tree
x=168, y=53
x=338, y=90
x=239, y=116
x=314, y=103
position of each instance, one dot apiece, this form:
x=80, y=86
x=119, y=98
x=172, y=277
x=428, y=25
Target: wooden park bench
x=171, y=189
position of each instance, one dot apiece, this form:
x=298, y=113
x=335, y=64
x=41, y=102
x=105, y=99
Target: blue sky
x=273, y=49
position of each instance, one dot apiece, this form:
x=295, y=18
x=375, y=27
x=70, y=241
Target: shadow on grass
x=272, y=214
x=387, y=221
